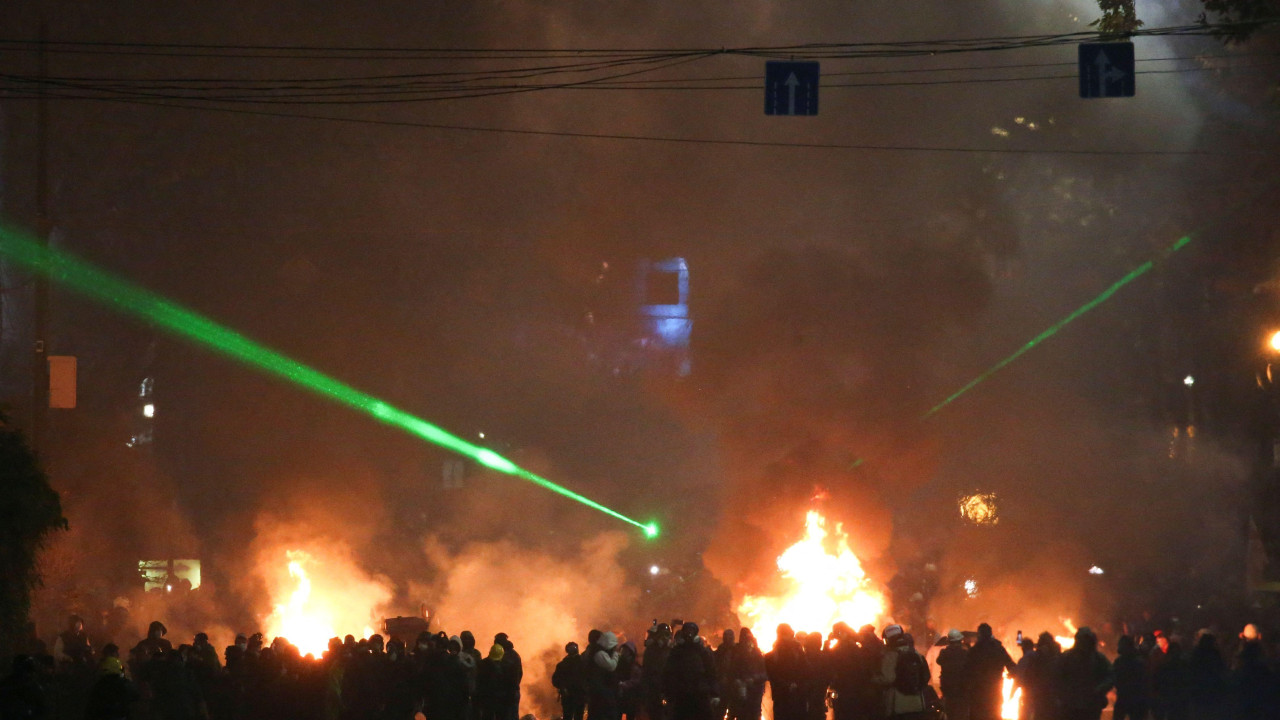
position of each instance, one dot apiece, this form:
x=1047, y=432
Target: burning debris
x=317, y=599
x=824, y=582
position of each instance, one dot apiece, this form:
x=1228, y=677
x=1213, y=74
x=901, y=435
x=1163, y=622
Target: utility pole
x=40, y=310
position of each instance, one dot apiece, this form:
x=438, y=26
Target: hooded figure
x=600, y=672
x=746, y=694
x=1130, y=671
x=787, y=669
x=1084, y=678
x=1040, y=679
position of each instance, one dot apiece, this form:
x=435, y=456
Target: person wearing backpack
x=904, y=673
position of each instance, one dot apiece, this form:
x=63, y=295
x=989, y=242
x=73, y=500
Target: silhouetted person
x=657, y=646
x=1084, y=677
x=153, y=645
x=513, y=670
x=1252, y=686
x=471, y=658
x=988, y=661
x=492, y=687
x=177, y=696
x=570, y=684
x=786, y=667
x=953, y=667
x=447, y=683
x=1208, y=676
x=1130, y=670
x=630, y=692
x=112, y=696
x=817, y=678
x=689, y=678
x=235, y=653
x=746, y=694
x=1039, y=679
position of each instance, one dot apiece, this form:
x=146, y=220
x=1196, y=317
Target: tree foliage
x=1242, y=18
x=1118, y=18
x=30, y=510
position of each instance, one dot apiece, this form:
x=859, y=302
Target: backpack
x=910, y=673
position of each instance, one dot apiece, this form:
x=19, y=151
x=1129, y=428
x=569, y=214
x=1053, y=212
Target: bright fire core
x=824, y=584
x=306, y=620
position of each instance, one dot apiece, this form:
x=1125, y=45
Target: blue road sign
x=1106, y=70
x=790, y=88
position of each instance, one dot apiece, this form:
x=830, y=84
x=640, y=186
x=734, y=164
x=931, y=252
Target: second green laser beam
x=100, y=285
x=1053, y=329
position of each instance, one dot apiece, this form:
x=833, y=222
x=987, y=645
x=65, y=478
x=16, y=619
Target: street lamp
x=1274, y=341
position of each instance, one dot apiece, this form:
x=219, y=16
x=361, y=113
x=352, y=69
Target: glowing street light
x=149, y=410
x=1188, y=381
x=1274, y=341
x=654, y=569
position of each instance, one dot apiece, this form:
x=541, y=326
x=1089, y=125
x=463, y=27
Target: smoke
x=539, y=599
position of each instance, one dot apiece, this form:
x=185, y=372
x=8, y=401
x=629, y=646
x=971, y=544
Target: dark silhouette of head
x=984, y=632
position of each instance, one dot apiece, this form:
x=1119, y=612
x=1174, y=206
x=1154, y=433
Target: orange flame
x=307, y=622
x=823, y=587
x=1012, y=705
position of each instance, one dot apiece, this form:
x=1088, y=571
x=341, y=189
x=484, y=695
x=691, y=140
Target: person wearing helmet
x=657, y=646
x=569, y=681
x=689, y=679
x=953, y=663
x=903, y=676
x=492, y=689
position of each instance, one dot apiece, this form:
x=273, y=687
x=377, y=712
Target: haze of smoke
x=541, y=600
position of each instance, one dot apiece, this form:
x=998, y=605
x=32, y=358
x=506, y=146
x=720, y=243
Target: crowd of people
x=849, y=674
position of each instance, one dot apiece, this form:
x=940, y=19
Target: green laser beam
x=99, y=285
x=1053, y=329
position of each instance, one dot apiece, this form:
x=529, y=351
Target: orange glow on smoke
x=825, y=584
x=308, y=619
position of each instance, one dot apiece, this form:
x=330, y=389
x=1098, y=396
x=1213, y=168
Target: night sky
x=837, y=293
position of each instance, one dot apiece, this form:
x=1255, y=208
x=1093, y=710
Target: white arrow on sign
x=1106, y=71
x=791, y=84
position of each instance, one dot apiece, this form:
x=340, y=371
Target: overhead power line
x=664, y=139
x=799, y=51
x=20, y=87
